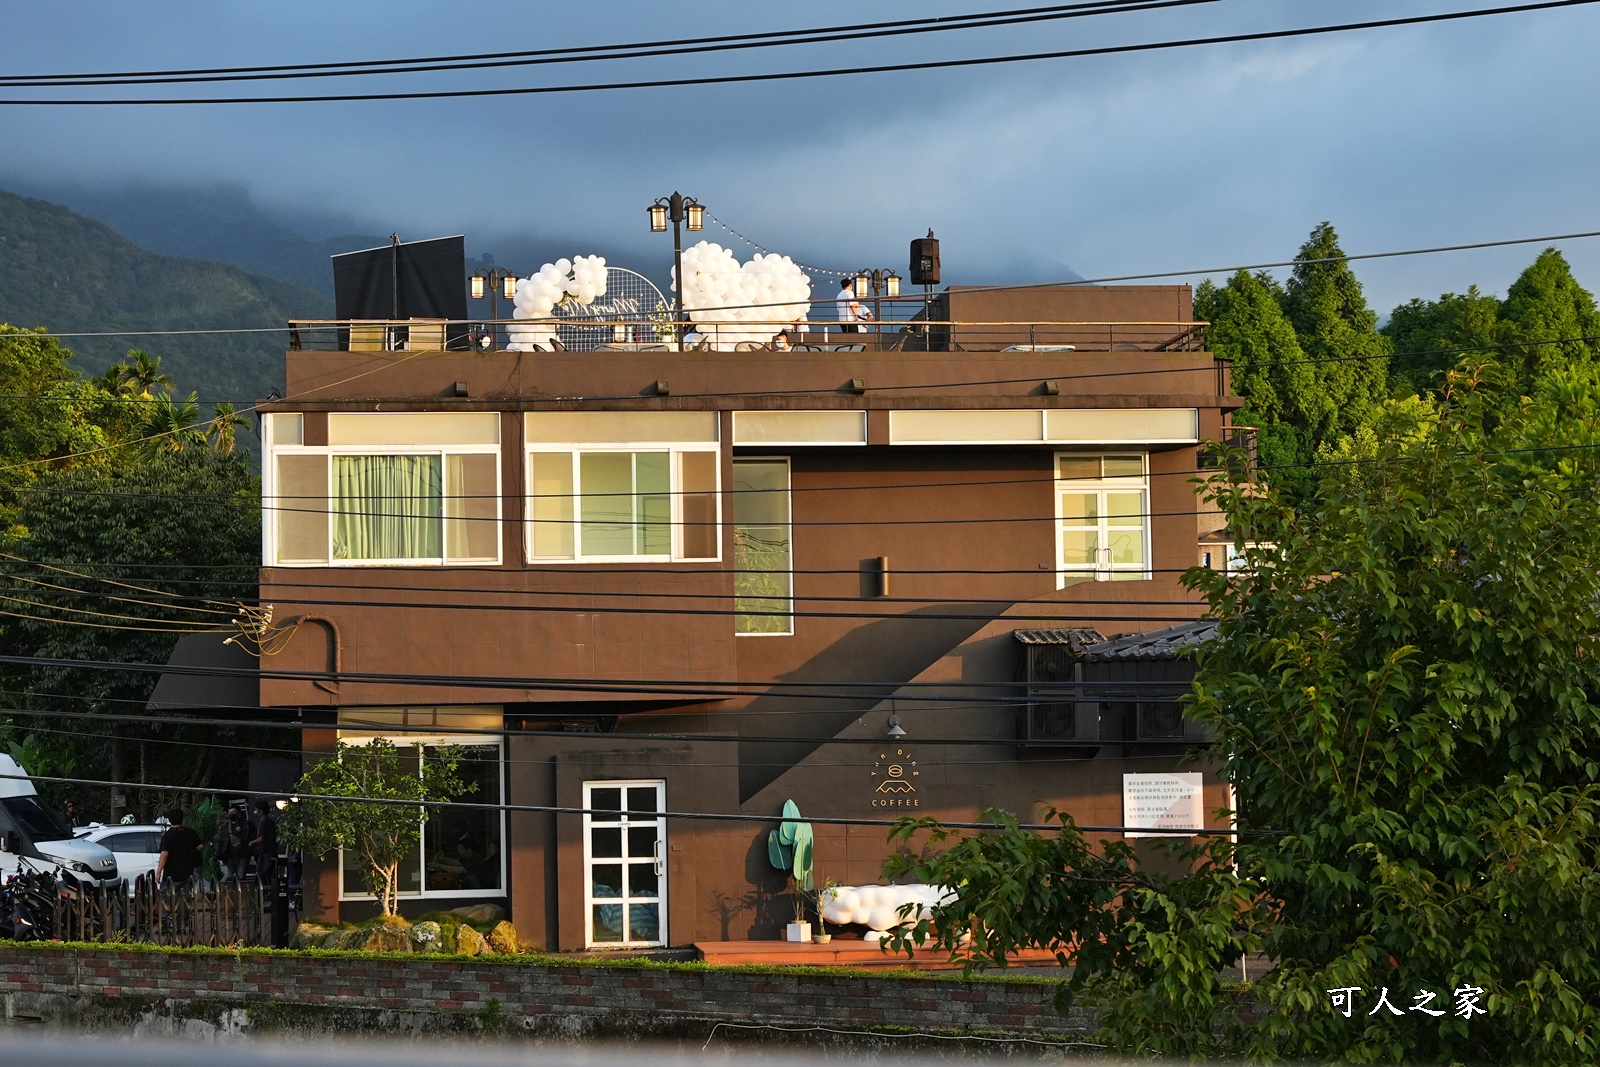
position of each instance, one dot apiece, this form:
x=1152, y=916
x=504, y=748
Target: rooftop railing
x=589, y=335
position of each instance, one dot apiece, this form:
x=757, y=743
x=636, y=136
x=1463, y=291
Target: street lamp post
x=679, y=209
x=883, y=283
x=498, y=282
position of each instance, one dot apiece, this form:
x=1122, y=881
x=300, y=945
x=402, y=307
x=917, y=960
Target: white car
x=137, y=846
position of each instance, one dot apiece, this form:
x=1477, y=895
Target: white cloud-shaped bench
x=878, y=906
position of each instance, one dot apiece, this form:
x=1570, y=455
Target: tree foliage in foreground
x=381, y=834
x=1405, y=687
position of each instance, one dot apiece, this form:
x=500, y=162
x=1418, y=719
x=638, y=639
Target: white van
x=31, y=830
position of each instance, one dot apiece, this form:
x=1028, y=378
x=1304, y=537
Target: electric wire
x=465, y=754
x=1105, y=280
x=559, y=809
x=799, y=75
x=600, y=53
x=901, y=691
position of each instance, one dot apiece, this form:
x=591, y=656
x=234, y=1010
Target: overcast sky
x=1441, y=134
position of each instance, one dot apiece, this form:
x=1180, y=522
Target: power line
x=1108, y=279
x=781, y=76
x=599, y=53
x=692, y=690
x=513, y=761
x=427, y=733
x=557, y=809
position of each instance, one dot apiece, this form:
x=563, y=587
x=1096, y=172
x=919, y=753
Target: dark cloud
x=1168, y=160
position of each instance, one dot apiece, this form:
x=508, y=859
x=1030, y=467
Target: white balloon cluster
x=579, y=279
x=878, y=906
x=748, y=303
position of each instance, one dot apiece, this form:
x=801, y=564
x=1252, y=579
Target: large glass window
x=366, y=498
x=1103, y=518
x=617, y=504
x=461, y=852
x=763, y=560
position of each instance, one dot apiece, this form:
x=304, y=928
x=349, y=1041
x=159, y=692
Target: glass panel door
x=1103, y=521
x=625, y=863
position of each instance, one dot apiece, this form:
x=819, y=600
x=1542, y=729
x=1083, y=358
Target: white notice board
x=1162, y=802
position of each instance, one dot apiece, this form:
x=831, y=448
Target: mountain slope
x=72, y=274
x=219, y=223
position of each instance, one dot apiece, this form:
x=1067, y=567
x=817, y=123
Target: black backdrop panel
x=411, y=280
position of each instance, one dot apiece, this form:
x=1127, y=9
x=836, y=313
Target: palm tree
x=143, y=374
x=224, y=426
x=170, y=426
x=114, y=380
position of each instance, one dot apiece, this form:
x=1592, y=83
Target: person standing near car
x=180, y=854
x=232, y=845
x=264, y=844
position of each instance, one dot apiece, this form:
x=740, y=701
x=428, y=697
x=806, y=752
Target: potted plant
x=799, y=930
x=789, y=849
x=821, y=897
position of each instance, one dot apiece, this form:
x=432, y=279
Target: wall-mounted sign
x=1162, y=802
x=894, y=781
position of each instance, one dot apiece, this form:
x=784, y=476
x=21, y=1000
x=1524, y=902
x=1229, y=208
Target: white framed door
x=625, y=863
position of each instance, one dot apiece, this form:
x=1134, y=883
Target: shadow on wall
x=891, y=651
x=750, y=913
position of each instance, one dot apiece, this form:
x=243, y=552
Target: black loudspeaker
x=925, y=260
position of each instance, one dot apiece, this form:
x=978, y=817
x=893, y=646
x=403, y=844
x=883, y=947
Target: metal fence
x=226, y=913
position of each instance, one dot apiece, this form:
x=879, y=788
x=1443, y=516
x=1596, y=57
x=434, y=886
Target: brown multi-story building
x=638, y=585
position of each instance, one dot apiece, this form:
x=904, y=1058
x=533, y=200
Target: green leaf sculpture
x=789, y=846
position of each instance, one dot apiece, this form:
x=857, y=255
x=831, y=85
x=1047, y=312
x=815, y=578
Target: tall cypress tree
x=1432, y=336
x=1546, y=303
x=1270, y=372
x=1339, y=334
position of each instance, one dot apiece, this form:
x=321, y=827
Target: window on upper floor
x=388, y=488
x=623, y=486
x=763, y=556
x=1102, y=517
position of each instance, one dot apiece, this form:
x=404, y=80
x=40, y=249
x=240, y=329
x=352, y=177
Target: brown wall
x=939, y=514
x=778, y=379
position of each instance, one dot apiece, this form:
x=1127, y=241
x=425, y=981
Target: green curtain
x=388, y=507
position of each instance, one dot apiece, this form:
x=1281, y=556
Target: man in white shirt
x=846, y=303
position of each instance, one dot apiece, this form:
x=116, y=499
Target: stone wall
x=214, y=994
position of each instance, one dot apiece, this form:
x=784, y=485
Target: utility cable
x=602, y=53
x=906, y=691
x=611, y=813
x=466, y=756
x=798, y=75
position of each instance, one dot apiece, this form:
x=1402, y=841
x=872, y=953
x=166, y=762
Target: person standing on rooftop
x=846, y=303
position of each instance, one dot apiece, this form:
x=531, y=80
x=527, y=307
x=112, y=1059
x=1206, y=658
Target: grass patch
x=537, y=959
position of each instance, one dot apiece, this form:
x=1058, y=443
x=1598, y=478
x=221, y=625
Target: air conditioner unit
x=1063, y=722
x=1166, y=722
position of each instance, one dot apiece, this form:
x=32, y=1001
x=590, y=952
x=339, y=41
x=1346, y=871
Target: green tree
x=1284, y=400
x=381, y=834
x=1405, y=689
x=169, y=425
x=1546, y=303
x=142, y=374
x=1429, y=337
x=226, y=423
x=49, y=411
x=1338, y=332
x=113, y=562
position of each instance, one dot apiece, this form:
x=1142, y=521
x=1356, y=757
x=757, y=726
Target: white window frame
x=675, y=492
x=788, y=463
x=270, y=502
x=663, y=851
x=365, y=737
x=1098, y=571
